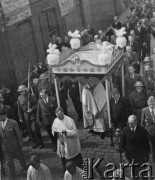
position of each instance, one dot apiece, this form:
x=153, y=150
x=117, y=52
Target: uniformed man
x=28, y=116
x=138, y=100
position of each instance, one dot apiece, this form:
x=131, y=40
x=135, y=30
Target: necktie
x=45, y=101
x=133, y=132
x=153, y=116
x=3, y=125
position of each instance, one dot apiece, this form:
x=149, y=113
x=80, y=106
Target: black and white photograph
x=77, y=89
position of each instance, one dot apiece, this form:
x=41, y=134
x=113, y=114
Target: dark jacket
x=136, y=145
x=135, y=46
x=10, y=137
x=141, y=34
x=137, y=103
x=46, y=111
x=10, y=112
x=127, y=27
x=130, y=83
x=147, y=114
x=131, y=60
x=117, y=111
x=117, y=25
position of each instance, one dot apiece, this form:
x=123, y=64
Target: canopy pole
x=57, y=93
x=108, y=103
x=80, y=91
x=123, y=81
x=154, y=68
x=108, y=108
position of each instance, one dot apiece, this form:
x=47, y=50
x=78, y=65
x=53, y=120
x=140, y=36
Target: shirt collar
x=134, y=128
x=4, y=122
x=46, y=100
x=116, y=99
x=151, y=110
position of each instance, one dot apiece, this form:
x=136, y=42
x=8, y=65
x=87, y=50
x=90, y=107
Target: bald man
x=135, y=142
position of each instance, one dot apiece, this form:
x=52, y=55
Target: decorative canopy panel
x=79, y=66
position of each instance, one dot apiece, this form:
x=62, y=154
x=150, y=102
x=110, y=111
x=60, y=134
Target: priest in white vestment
x=68, y=143
x=89, y=107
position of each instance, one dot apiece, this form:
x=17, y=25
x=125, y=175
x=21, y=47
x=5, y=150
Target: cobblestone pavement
x=92, y=147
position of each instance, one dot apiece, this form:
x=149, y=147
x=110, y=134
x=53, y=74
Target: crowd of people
x=37, y=107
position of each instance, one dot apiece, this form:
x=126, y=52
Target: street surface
x=92, y=147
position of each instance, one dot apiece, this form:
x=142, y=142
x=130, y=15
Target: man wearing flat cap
x=44, y=83
x=138, y=100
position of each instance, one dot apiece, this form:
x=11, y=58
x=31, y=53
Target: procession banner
x=15, y=10
x=66, y=6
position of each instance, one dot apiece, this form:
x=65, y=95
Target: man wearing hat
x=138, y=100
x=130, y=79
x=28, y=116
x=44, y=83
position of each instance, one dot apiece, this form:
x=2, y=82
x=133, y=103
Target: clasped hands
x=62, y=132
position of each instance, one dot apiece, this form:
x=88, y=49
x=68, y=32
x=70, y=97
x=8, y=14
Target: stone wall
x=27, y=41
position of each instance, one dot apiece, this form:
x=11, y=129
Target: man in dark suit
x=138, y=100
x=148, y=120
x=41, y=68
x=117, y=109
x=147, y=28
x=135, y=142
x=141, y=34
x=130, y=80
x=46, y=114
x=11, y=143
x=127, y=26
x=116, y=24
x=130, y=59
x=133, y=43
x=133, y=19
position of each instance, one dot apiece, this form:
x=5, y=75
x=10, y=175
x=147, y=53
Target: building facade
x=27, y=40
